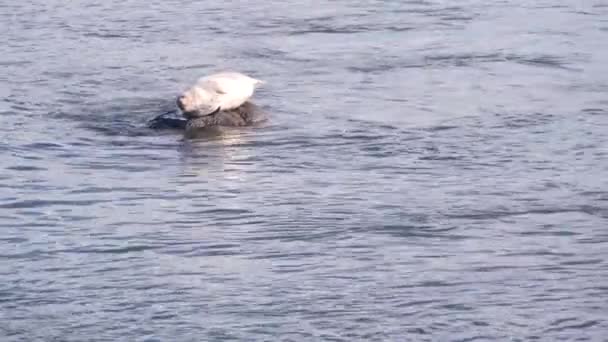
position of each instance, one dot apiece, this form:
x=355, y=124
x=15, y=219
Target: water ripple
x=429, y=171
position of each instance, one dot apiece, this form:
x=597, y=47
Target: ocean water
x=430, y=171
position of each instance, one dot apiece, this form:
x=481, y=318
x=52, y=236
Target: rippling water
x=432, y=171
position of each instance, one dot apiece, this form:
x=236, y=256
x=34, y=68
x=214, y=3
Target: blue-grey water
x=431, y=171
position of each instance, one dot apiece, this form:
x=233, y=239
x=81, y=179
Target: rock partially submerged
x=245, y=115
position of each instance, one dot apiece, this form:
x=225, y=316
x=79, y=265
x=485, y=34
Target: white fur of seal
x=218, y=92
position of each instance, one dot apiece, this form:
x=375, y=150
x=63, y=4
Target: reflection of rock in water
x=246, y=115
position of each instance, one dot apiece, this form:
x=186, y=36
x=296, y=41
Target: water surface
x=431, y=172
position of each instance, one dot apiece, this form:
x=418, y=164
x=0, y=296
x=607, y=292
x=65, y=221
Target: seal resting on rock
x=216, y=100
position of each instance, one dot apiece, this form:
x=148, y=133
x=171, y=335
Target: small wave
x=580, y=326
x=109, y=250
x=48, y=203
x=489, y=215
x=106, y=35
x=25, y=168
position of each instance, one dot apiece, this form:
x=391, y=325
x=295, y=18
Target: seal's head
x=198, y=101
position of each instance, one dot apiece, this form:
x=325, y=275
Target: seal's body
x=217, y=92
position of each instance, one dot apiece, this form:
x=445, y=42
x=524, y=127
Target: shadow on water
x=125, y=117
